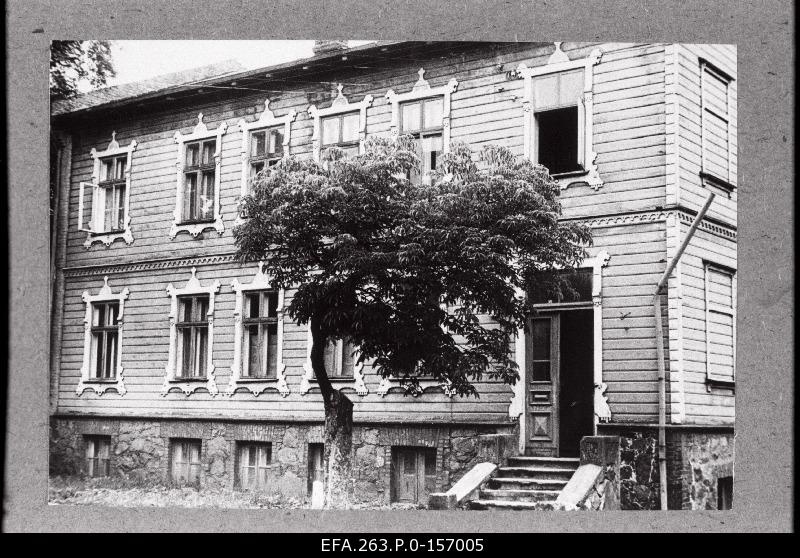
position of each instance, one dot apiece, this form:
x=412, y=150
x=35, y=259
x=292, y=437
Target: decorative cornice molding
x=149, y=265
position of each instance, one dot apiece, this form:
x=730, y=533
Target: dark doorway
x=576, y=393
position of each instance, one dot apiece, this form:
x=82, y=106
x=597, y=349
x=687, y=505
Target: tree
x=74, y=61
x=403, y=270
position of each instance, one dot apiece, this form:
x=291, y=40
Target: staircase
x=526, y=483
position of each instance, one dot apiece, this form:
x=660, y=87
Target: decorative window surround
x=107, y=238
x=192, y=287
x=259, y=283
x=267, y=119
x=86, y=382
x=199, y=132
x=309, y=380
x=389, y=383
x=516, y=408
x=339, y=106
x=560, y=62
x=423, y=90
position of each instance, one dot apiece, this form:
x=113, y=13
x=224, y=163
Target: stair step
x=541, y=472
x=514, y=483
x=482, y=504
x=518, y=495
x=554, y=462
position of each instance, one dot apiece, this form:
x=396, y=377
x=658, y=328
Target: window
x=264, y=142
x=725, y=493
x=413, y=474
x=423, y=121
x=575, y=286
x=339, y=359
x=102, y=349
x=720, y=292
x=98, y=449
x=104, y=202
x=197, y=205
x=424, y=113
x=557, y=117
x=185, y=462
x=199, y=186
x=342, y=125
x=540, y=349
x=191, y=337
x=316, y=460
x=715, y=125
x=258, y=337
x=253, y=465
x=341, y=364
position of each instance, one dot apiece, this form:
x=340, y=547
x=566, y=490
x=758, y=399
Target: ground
x=116, y=492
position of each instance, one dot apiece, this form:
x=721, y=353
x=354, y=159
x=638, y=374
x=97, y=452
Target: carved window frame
x=266, y=119
x=423, y=90
x=557, y=63
x=309, y=381
x=86, y=382
x=193, y=287
x=107, y=238
x=260, y=282
x=199, y=132
x=339, y=106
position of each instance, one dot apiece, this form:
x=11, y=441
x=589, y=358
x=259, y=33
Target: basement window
x=413, y=474
x=98, y=449
x=185, y=462
x=725, y=493
x=316, y=459
x=253, y=463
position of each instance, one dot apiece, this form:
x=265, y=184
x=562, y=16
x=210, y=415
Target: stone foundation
x=140, y=451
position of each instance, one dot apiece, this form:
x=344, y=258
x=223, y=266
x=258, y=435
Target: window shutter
x=87, y=199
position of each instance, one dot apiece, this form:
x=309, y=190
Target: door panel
x=542, y=378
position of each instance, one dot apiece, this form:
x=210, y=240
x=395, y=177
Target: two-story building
x=171, y=361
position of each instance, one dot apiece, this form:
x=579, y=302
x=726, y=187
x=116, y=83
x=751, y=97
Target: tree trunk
x=338, y=464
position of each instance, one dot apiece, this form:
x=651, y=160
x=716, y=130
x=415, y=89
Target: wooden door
x=542, y=379
x=414, y=474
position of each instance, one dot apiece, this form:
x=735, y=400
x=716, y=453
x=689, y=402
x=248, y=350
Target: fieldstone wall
x=706, y=458
x=638, y=471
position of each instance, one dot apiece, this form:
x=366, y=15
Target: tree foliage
x=74, y=61
x=409, y=272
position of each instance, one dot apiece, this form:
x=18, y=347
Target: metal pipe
x=662, y=374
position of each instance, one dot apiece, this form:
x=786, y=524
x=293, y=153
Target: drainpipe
x=662, y=375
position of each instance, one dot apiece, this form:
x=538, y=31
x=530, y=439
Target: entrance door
x=542, y=374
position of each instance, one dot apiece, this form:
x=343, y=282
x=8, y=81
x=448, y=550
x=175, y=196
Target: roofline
x=257, y=72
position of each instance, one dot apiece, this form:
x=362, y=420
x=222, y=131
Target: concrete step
x=537, y=472
x=510, y=505
x=518, y=495
x=522, y=483
x=553, y=462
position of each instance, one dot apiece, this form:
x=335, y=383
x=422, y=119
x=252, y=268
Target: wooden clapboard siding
x=692, y=192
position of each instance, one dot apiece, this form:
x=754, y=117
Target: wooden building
x=154, y=371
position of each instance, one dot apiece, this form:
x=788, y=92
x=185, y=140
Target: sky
x=138, y=60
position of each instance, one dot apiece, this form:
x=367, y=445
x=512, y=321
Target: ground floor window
x=413, y=474
x=185, y=461
x=254, y=460
x=316, y=458
x=98, y=449
x=725, y=493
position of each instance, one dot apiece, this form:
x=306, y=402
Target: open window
x=258, y=336
x=191, y=337
x=104, y=203
x=102, y=343
x=197, y=205
x=557, y=117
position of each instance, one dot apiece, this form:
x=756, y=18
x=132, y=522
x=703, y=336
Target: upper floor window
x=104, y=203
x=339, y=359
x=720, y=293
x=342, y=125
x=717, y=153
x=557, y=117
x=266, y=149
x=192, y=337
x=424, y=113
x=102, y=349
x=197, y=205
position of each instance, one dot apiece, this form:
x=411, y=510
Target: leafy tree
x=405, y=270
x=74, y=61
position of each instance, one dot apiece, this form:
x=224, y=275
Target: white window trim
x=309, y=381
x=192, y=287
x=267, y=119
x=339, y=106
x=709, y=307
x=423, y=90
x=104, y=295
x=260, y=282
x=557, y=63
x=199, y=132
x=108, y=238
x=706, y=66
